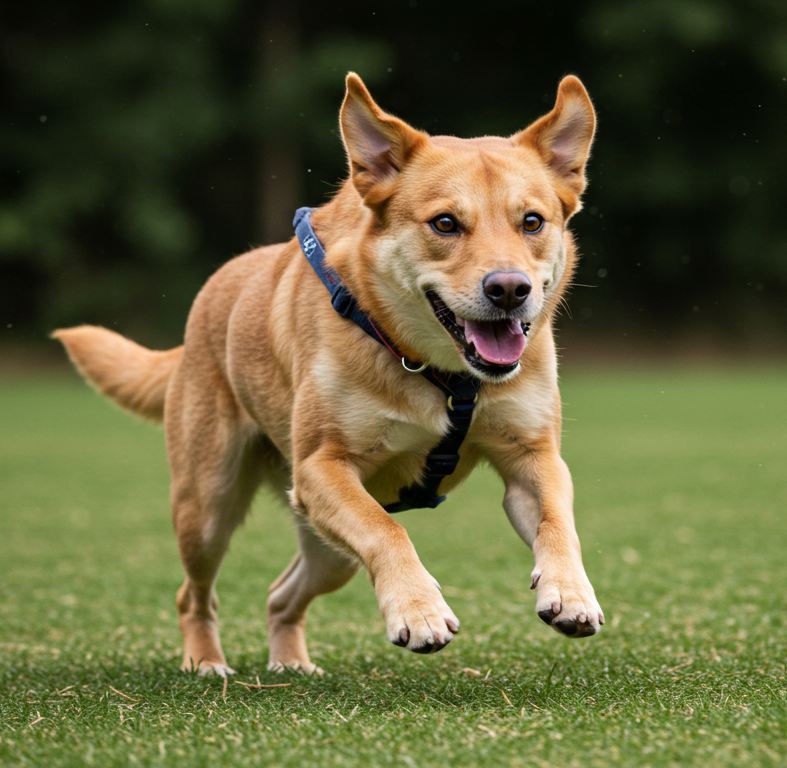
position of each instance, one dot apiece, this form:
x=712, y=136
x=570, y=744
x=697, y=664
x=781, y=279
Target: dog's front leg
x=539, y=503
x=329, y=492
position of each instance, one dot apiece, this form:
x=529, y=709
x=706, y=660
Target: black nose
x=507, y=290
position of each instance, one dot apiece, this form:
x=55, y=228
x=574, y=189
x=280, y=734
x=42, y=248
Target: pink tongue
x=501, y=342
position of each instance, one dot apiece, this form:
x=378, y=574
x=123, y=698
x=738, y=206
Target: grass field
x=681, y=492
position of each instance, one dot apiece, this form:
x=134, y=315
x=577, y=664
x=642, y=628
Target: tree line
x=143, y=144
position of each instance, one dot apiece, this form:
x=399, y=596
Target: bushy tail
x=134, y=377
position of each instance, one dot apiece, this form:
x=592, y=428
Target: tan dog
x=271, y=385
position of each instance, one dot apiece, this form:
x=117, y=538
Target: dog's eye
x=532, y=223
x=445, y=224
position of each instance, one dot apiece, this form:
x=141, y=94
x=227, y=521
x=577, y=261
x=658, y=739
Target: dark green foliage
x=141, y=143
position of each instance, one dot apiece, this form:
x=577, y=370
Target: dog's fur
x=271, y=385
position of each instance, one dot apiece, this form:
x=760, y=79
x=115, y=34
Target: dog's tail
x=134, y=377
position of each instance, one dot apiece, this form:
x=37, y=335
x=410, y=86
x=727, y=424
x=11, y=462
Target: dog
x=455, y=253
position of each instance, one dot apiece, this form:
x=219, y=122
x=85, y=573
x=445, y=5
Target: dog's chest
x=392, y=450
x=374, y=429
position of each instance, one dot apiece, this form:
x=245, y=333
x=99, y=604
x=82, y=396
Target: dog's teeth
x=460, y=321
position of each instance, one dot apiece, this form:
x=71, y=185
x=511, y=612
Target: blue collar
x=461, y=390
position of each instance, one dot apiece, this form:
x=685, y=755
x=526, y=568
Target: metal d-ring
x=420, y=369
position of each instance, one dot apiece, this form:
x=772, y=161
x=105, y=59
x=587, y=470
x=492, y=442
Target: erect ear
x=564, y=135
x=378, y=144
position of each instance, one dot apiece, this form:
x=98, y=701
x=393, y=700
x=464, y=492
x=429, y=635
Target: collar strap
x=461, y=390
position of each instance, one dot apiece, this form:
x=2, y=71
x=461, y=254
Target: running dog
x=453, y=255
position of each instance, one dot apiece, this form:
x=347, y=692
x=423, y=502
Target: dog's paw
x=416, y=615
x=208, y=668
x=301, y=668
x=567, y=603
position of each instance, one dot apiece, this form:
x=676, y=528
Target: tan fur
x=273, y=386
x=134, y=377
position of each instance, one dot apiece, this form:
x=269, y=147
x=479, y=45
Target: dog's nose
x=507, y=290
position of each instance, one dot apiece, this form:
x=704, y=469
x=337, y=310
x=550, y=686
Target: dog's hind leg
x=316, y=570
x=216, y=468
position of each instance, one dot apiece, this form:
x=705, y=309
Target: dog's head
x=468, y=247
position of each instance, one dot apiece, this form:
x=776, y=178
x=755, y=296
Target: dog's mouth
x=490, y=346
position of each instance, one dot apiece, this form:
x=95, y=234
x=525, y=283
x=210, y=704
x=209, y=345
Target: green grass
x=680, y=484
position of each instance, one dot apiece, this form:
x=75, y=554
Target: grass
x=680, y=481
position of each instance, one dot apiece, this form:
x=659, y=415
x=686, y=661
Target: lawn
x=680, y=485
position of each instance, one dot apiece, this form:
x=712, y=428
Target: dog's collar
x=461, y=390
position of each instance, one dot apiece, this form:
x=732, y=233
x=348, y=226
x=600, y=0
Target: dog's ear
x=377, y=144
x=563, y=136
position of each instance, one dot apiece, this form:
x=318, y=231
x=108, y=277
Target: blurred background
x=143, y=144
